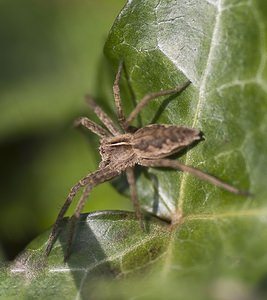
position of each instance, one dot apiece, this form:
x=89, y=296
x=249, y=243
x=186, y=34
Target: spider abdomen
x=158, y=140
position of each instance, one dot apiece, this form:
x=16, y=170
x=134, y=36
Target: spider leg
x=75, y=217
x=147, y=98
x=134, y=196
x=92, y=126
x=117, y=98
x=67, y=203
x=106, y=120
x=91, y=180
x=174, y=164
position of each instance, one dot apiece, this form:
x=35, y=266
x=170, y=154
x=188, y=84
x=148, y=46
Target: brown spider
x=121, y=151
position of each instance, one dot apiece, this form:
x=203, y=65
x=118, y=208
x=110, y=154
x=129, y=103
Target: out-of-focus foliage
x=51, y=54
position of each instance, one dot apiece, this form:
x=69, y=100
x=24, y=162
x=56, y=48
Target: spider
x=123, y=148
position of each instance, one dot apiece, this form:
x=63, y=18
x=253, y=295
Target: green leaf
x=164, y=43
x=108, y=244
x=215, y=247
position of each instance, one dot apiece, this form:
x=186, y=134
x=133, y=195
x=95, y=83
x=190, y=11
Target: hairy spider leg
x=92, y=126
x=91, y=180
x=73, y=220
x=174, y=164
x=125, y=122
x=67, y=203
x=151, y=96
x=103, y=117
x=117, y=98
x=134, y=196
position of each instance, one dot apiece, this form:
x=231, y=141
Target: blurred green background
x=51, y=54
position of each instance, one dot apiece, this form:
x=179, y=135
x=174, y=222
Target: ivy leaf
x=162, y=44
x=215, y=247
x=107, y=244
